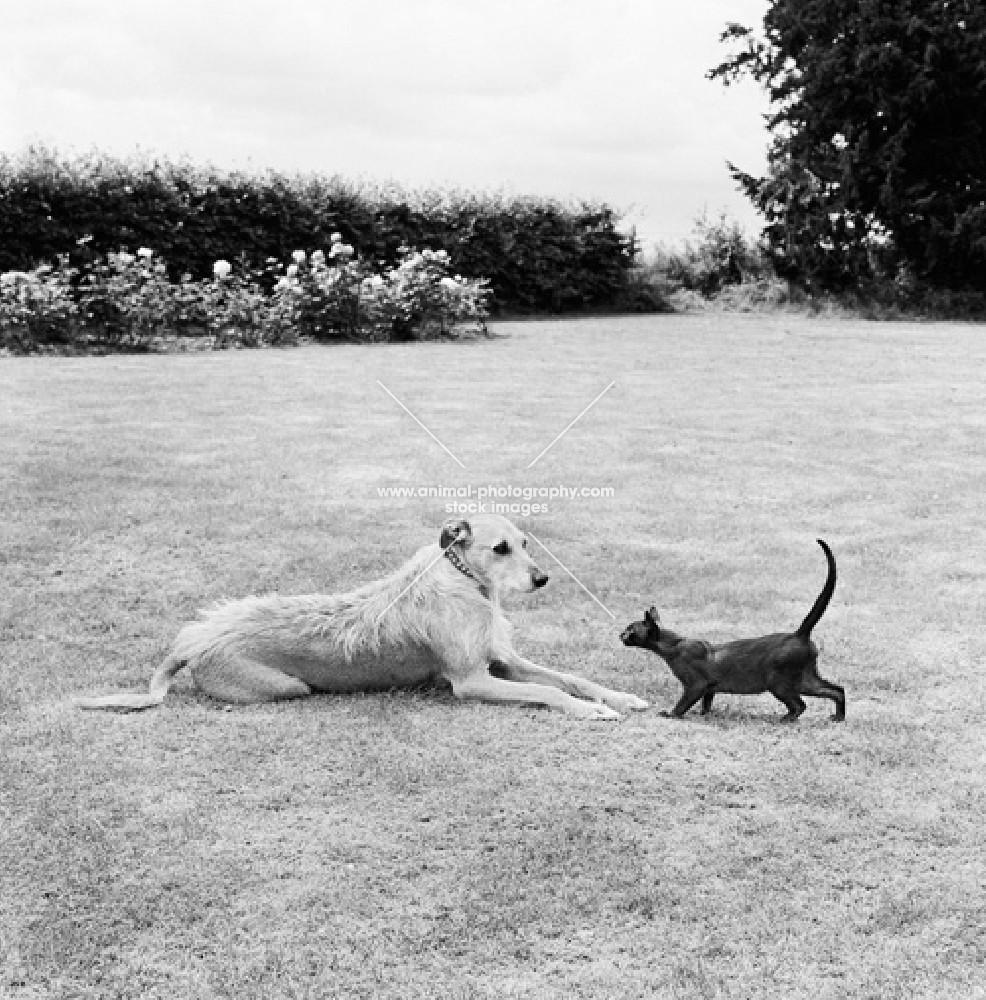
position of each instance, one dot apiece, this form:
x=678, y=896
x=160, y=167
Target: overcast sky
x=598, y=99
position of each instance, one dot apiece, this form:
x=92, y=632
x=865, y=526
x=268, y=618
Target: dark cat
x=783, y=664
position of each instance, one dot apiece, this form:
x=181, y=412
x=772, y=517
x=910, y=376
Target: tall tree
x=878, y=158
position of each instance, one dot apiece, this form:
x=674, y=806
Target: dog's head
x=495, y=550
x=646, y=633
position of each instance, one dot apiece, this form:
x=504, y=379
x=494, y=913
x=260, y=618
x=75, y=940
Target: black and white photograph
x=492, y=500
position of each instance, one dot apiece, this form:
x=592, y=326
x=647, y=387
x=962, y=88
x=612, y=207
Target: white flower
x=336, y=237
x=125, y=258
x=221, y=269
x=318, y=257
x=299, y=256
x=343, y=249
x=282, y=283
x=292, y=271
x=449, y=283
x=377, y=281
x=145, y=252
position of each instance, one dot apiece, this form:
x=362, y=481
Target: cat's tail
x=133, y=702
x=822, y=602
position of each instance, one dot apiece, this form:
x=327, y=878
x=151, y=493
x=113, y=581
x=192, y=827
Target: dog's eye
x=502, y=549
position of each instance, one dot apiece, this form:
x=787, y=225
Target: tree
x=878, y=161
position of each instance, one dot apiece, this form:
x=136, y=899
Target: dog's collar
x=456, y=561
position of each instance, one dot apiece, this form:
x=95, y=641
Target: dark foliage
x=538, y=254
x=878, y=162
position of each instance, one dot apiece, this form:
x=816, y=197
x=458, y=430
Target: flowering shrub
x=129, y=298
x=36, y=306
x=340, y=296
x=430, y=300
x=127, y=301
x=321, y=294
x=237, y=312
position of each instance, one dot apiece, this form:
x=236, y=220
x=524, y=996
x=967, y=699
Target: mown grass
x=405, y=845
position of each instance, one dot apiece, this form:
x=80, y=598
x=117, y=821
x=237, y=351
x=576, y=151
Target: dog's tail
x=822, y=602
x=132, y=702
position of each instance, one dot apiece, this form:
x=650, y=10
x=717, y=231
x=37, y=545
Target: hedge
x=538, y=254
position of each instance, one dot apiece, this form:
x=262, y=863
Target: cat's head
x=645, y=633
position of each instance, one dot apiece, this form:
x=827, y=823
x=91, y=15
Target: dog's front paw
x=624, y=702
x=595, y=711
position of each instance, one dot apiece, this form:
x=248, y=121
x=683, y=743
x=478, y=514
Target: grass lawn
x=405, y=845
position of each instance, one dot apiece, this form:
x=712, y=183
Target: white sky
x=600, y=99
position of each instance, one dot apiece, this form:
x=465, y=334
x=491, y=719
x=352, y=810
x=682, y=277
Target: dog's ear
x=652, y=616
x=456, y=531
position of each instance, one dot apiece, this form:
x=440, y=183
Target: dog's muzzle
x=539, y=579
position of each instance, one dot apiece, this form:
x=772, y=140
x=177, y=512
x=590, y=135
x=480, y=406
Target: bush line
x=128, y=302
x=538, y=254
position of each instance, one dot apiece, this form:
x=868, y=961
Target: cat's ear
x=652, y=616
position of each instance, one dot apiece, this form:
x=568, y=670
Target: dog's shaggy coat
x=438, y=616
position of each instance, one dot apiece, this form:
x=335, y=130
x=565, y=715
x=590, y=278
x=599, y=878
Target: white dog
x=437, y=616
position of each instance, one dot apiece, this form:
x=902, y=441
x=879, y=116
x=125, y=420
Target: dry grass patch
x=405, y=845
